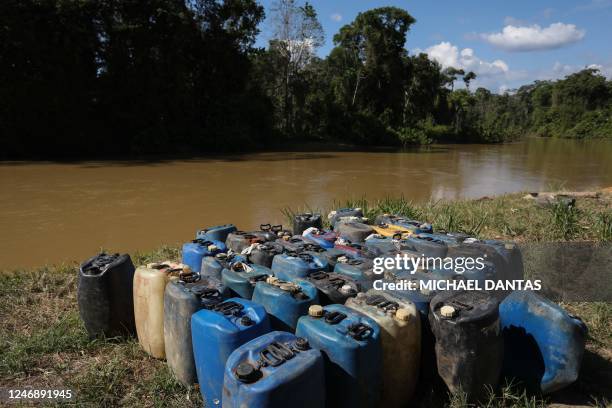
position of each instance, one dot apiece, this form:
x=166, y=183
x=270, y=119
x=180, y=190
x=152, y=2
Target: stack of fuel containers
x=270, y=317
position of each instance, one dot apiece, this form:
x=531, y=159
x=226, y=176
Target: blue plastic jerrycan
x=196, y=250
x=360, y=270
x=285, y=302
x=213, y=265
x=275, y=370
x=241, y=277
x=325, y=239
x=292, y=265
x=218, y=331
x=352, y=346
x=543, y=343
x=216, y=233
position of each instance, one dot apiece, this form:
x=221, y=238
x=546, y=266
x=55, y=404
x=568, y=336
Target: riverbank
x=43, y=343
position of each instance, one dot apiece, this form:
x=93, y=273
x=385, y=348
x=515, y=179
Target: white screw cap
x=403, y=315
x=448, y=311
x=315, y=311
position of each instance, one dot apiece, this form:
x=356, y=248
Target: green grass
x=43, y=342
x=507, y=217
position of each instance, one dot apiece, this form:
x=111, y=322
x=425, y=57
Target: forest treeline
x=84, y=78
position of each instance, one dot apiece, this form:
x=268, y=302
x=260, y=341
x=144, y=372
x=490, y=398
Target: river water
x=55, y=212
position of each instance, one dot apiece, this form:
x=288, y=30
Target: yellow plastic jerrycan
x=149, y=286
x=395, y=231
x=400, y=332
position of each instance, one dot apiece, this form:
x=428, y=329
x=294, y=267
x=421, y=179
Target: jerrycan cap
x=246, y=321
x=448, y=311
x=342, y=259
x=347, y=289
x=509, y=246
x=302, y=344
x=315, y=311
x=403, y=315
x=246, y=373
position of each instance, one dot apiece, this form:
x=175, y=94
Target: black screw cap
x=246, y=373
x=301, y=344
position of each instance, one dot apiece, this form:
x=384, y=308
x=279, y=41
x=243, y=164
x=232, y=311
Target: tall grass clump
x=565, y=220
x=603, y=224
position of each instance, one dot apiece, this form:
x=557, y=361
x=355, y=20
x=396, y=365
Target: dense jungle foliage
x=87, y=78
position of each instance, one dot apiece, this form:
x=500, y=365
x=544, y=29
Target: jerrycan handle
x=318, y=275
x=275, y=354
x=359, y=331
x=388, y=305
x=374, y=300
x=305, y=257
x=203, y=242
x=228, y=308
x=188, y=277
x=334, y=317
x=265, y=227
x=313, y=248
x=276, y=228
x=460, y=305
x=258, y=278
x=209, y=293
x=336, y=281
x=397, y=236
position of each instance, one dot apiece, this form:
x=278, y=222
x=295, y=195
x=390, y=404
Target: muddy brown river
x=56, y=212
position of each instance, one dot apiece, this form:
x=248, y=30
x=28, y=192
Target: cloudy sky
x=506, y=43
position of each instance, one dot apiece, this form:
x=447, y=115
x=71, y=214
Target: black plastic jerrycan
x=104, y=295
x=469, y=345
x=302, y=222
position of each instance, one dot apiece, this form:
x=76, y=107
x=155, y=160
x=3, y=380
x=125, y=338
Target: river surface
x=56, y=212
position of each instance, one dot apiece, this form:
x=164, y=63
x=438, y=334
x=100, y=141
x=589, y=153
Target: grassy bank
x=43, y=343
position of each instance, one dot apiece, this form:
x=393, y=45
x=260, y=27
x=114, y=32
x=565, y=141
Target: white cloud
x=490, y=74
x=337, y=17
x=449, y=55
x=534, y=37
x=560, y=70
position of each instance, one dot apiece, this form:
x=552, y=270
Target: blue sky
x=507, y=43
